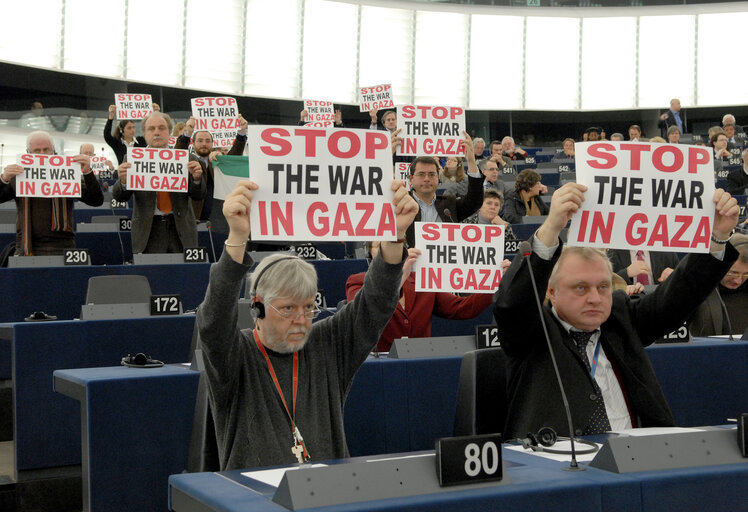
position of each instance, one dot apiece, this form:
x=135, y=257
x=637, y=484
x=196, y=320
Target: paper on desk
x=655, y=431
x=274, y=476
x=560, y=445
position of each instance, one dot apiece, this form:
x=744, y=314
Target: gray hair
x=507, y=138
x=728, y=119
x=673, y=129
x=477, y=140
x=39, y=134
x=616, y=136
x=156, y=114
x=287, y=276
x=483, y=162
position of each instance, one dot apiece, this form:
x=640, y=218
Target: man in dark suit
x=672, y=118
x=652, y=267
x=162, y=222
x=588, y=322
x=424, y=178
x=737, y=179
x=202, y=144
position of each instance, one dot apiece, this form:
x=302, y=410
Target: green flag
x=227, y=171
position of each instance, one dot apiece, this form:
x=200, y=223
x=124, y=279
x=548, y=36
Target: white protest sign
x=644, y=195
x=98, y=165
x=402, y=173
x=376, y=97
x=430, y=131
x=133, y=106
x=319, y=113
x=48, y=176
x=321, y=184
x=219, y=116
x=458, y=257
x=158, y=169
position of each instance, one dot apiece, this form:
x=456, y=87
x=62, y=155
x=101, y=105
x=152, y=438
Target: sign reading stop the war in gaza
x=319, y=113
x=644, y=195
x=48, y=176
x=430, y=131
x=458, y=257
x=321, y=184
x=157, y=169
x=219, y=116
x=133, y=106
x=402, y=172
x=375, y=97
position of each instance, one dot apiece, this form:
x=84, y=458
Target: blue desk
x=130, y=473
x=535, y=484
x=46, y=428
x=61, y=291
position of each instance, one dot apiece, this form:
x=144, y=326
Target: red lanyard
x=294, y=430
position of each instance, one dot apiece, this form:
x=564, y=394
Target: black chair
x=482, y=401
x=118, y=289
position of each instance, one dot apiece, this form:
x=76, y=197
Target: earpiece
x=546, y=437
x=140, y=360
x=257, y=309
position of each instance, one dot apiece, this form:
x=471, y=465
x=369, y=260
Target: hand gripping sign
x=157, y=169
x=458, y=257
x=48, y=176
x=133, y=106
x=321, y=184
x=644, y=195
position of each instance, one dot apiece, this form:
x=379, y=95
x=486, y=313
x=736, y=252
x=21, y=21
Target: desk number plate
x=164, y=305
x=76, y=257
x=195, y=255
x=469, y=459
x=486, y=336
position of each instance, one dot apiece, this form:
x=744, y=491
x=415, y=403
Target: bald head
x=87, y=149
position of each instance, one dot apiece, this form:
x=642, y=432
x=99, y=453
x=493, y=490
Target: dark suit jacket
x=144, y=206
x=459, y=208
x=670, y=121
x=620, y=259
x=515, y=209
x=737, y=181
x=210, y=208
x=534, y=397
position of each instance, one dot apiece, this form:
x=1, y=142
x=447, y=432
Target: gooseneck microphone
x=727, y=315
x=525, y=249
x=448, y=213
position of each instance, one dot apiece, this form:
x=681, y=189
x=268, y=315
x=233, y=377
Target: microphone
x=727, y=316
x=448, y=213
x=210, y=235
x=525, y=249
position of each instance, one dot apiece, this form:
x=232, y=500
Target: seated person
x=635, y=133
x=567, y=152
x=45, y=226
x=719, y=143
x=640, y=266
x=511, y=152
x=248, y=369
x=162, y=222
x=673, y=134
x=709, y=318
x=489, y=211
x=584, y=317
x=412, y=317
x=490, y=171
x=453, y=176
x=737, y=179
x=525, y=198
x=616, y=137
x=479, y=148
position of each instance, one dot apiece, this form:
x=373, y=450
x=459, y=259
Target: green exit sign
x=533, y=3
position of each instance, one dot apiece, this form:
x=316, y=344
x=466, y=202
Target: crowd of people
x=598, y=335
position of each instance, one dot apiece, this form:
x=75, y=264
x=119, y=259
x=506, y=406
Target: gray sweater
x=252, y=427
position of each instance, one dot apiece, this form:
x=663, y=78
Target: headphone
x=547, y=437
x=140, y=360
x=257, y=307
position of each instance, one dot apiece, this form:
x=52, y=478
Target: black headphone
x=140, y=360
x=547, y=437
x=257, y=307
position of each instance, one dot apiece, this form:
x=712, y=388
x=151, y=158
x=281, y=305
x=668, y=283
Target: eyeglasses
x=733, y=275
x=425, y=175
x=289, y=312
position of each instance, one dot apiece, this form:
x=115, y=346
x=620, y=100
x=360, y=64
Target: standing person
x=45, y=226
x=121, y=137
x=253, y=374
x=162, y=222
x=672, y=118
x=586, y=322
